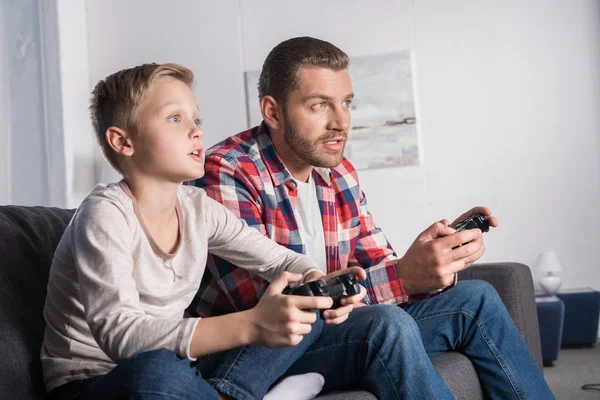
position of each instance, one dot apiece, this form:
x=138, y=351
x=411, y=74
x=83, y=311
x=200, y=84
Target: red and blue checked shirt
x=245, y=174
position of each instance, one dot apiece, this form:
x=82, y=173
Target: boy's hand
x=282, y=320
x=340, y=314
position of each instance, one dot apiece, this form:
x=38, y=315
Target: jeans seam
x=163, y=394
x=223, y=383
x=352, y=342
x=487, y=340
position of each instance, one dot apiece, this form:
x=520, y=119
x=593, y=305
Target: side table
x=582, y=315
x=551, y=312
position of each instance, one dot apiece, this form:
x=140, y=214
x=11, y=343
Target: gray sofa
x=29, y=236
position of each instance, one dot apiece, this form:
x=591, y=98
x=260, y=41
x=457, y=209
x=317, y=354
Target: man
x=288, y=179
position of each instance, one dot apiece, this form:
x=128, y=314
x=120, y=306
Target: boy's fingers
x=306, y=317
x=310, y=302
x=338, y=312
x=356, y=298
x=337, y=321
x=282, y=281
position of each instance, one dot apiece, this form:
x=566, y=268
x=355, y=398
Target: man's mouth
x=335, y=144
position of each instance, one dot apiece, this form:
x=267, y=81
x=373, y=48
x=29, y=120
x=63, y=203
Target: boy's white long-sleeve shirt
x=112, y=292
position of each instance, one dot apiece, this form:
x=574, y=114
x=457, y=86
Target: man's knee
x=482, y=294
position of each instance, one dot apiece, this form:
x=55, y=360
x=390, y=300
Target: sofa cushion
x=28, y=238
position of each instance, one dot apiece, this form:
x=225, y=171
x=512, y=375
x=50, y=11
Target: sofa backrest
x=28, y=238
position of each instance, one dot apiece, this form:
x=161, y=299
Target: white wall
x=507, y=98
x=79, y=143
x=5, y=146
x=32, y=165
x=202, y=35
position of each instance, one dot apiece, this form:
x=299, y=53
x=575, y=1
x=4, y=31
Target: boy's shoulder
x=104, y=203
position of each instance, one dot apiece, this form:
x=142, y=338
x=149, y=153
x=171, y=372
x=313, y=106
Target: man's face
x=316, y=118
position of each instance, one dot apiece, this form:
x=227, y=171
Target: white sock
x=297, y=387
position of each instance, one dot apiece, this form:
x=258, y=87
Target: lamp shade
x=548, y=262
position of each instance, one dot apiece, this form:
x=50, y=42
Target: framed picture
x=384, y=131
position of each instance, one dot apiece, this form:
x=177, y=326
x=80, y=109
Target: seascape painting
x=384, y=130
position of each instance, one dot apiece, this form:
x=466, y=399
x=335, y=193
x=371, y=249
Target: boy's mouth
x=197, y=155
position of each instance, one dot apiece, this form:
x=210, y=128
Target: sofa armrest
x=514, y=284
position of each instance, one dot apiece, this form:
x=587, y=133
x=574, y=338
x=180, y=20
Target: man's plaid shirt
x=246, y=175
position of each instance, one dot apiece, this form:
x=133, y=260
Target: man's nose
x=340, y=120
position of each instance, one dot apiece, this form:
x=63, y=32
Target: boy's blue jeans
x=382, y=348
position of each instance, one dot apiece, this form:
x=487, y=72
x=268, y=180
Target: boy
x=133, y=256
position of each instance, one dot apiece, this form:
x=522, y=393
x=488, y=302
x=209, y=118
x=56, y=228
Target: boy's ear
x=272, y=112
x=120, y=141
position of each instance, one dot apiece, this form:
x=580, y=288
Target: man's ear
x=120, y=141
x=272, y=112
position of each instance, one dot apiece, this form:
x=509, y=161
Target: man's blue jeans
x=381, y=348
x=385, y=349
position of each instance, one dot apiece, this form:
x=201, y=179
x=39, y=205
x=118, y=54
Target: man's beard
x=308, y=151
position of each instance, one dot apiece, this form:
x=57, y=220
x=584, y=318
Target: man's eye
x=198, y=122
x=347, y=103
x=175, y=118
x=319, y=105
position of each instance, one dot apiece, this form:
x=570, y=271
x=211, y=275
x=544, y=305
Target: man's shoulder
x=236, y=149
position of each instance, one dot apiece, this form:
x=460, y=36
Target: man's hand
x=491, y=220
x=437, y=255
x=340, y=314
x=282, y=320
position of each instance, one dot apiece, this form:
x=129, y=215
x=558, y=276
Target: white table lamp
x=549, y=265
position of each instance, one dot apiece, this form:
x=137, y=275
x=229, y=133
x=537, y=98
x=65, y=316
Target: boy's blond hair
x=116, y=100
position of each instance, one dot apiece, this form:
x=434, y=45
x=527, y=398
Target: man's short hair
x=116, y=100
x=279, y=75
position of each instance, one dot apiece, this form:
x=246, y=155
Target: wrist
x=409, y=286
x=248, y=328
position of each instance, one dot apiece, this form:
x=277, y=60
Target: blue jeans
x=381, y=348
x=385, y=349
x=472, y=319
x=244, y=373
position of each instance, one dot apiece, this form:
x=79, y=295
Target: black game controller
x=474, y=221
x=337, y=288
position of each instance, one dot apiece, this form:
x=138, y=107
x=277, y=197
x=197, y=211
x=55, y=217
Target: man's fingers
x=282, y=281
x=477, y=210
x=436, y=230
x=455, y=266
x=466, y=250
x=474, y=257
x=460, y=238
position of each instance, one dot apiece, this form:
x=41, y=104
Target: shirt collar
x=279, y=173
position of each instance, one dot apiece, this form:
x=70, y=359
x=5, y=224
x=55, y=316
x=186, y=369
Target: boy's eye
x=198, y=122
x=175, y=118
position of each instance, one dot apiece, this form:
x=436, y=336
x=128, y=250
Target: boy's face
x=169, y=142
x=317, y=116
